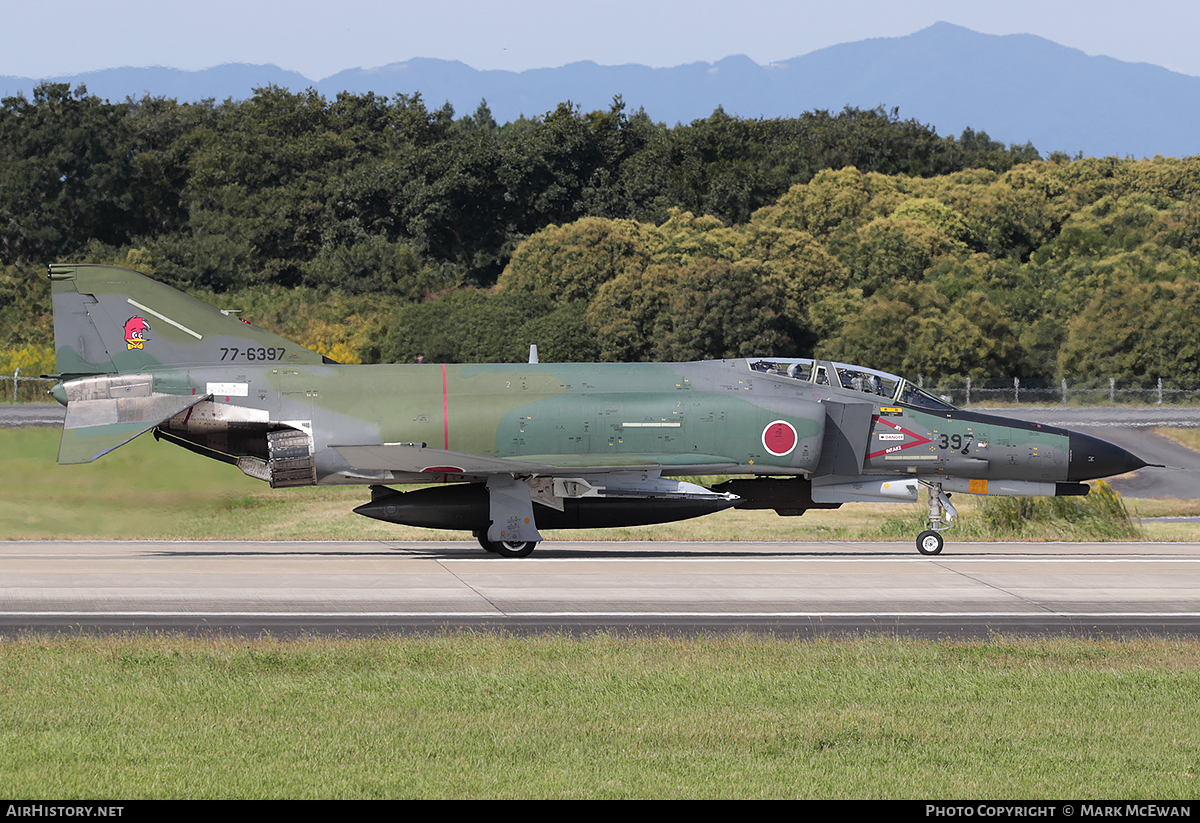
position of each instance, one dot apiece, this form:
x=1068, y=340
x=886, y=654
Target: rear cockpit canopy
x=846, y=376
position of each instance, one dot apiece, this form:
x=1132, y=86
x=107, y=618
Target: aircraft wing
x=418, y=458
x=95, y=427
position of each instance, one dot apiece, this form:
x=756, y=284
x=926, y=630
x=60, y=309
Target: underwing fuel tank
x=466, y=506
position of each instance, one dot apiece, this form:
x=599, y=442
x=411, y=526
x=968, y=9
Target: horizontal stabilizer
x=93, y=428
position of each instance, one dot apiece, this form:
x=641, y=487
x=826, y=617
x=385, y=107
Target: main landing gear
x=930, y=541
x=506, y=548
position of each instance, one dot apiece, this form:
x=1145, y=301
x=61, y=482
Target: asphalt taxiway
x=788, y=589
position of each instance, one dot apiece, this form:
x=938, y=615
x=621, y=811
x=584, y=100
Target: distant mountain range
x=1018, y=88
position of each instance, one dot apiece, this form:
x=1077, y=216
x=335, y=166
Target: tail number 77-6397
x=259, y=353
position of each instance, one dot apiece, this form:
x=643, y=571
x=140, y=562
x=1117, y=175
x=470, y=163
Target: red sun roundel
x=779, y=438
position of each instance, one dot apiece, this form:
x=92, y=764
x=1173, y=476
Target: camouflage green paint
x=135, y=355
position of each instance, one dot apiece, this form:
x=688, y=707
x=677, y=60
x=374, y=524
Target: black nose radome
x=1092, y=457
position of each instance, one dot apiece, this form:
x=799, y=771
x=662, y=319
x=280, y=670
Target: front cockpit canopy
x=855, y=378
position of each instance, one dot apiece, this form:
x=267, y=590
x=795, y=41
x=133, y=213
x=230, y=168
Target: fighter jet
x=505, y=450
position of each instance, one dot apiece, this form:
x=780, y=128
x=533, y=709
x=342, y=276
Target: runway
x=786, y=589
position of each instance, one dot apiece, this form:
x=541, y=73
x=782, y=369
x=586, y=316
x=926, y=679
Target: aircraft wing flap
x=93, y=428
x=710, y=462
x=418, y=458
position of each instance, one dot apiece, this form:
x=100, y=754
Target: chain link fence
x=16, y=388
x=1156, y=392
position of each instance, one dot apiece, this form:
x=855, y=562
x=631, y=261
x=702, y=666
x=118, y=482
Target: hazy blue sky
x=318, y=39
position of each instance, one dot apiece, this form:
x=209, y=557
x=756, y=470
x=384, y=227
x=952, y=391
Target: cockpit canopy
x=846, y=376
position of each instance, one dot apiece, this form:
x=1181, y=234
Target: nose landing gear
x=930, y=541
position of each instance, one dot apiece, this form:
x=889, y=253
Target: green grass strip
x=470, y=715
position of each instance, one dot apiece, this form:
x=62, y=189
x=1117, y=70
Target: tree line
x=1085, y=270
x=366, y=193
x=377, y=229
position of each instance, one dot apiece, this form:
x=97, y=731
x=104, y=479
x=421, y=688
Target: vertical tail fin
x=110, y=320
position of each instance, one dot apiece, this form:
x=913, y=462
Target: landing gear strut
x=930, y=541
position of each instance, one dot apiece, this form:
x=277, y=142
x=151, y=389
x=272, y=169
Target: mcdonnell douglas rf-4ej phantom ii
x=504, y=450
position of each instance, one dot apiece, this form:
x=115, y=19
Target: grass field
x=476, y=715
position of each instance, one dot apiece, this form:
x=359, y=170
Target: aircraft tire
x=506, y=548
x=514, y=548
x=930, y=543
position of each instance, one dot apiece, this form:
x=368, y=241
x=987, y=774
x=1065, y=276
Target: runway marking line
x=498, y=614
x=1162, y=558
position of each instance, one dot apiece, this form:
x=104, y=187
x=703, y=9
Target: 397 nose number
x=955, y=442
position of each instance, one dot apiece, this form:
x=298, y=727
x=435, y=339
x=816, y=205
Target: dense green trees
x=74, y=169
x=605, y=235
x=1042, y=272
x=274, y=188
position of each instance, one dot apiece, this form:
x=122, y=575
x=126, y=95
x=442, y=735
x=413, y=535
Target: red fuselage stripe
x=918, y=441
x=445, y=408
